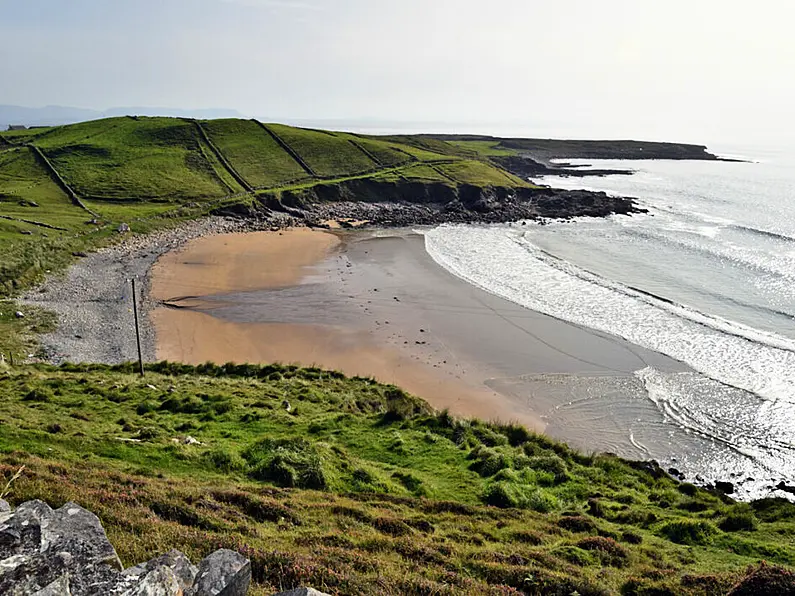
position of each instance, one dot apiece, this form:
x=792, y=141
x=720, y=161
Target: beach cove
x=374, y=304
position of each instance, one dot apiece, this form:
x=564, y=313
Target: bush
x=38, y=394
x=286, y=462
x=574, y=554
x=224, y=460
x=551, y=464
x=410, y=481
x=488, y=461
x=506, y=494
x=688, y=531
x=577, y=524
x=502, y=494
x=542, y=501
x=145, y=407
x=400, y=405
x=609, y=551
x=739, y=521
x=517, y=434
x=765, y=580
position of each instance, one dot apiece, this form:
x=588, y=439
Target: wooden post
x=137, y=330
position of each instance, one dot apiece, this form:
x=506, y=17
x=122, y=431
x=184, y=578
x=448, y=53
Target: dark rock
x=785, y=487
x=60, y=587
x=223, y=573
x=724, y=487
x=400, y=204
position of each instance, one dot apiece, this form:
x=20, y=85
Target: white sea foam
x=504, y=261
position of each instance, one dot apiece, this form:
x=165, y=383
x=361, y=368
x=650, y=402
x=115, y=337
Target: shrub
x=145, y=407
x=224, y=460
x=147, y=433
x=488, y=436
x=488, y=461
x=391, y=526
x=765, y=580
x=517, y=434
x=631, y=537
x=399, y=405
x=286, y=462
x=577, y=523
x=542, y=501
x=410, y=481
x=688, y=531
x=773, y=509
x=739, y=521
x=551, y=464
x=574, y=554
x=609, y=551
x=38, y=394
x=688, y=489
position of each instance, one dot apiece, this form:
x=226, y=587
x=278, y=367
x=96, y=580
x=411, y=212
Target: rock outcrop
x=401, y=204
x=65, y=552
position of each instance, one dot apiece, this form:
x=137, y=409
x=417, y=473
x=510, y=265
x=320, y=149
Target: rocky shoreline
x=93, y=299
x=387, y=204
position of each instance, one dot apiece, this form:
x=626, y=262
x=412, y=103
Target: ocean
x=707, y=277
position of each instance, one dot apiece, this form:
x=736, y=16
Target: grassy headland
x=358, y=488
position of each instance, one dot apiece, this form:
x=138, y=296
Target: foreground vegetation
x=357, y=488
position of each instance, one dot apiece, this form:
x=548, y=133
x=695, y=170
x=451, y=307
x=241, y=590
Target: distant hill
x=59, y=115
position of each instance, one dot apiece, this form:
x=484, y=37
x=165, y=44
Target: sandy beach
x=372, y=305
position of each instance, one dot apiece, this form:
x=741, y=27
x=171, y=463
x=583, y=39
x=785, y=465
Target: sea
x=707, y=277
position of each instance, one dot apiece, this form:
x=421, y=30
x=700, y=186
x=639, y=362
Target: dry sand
x=238, y=262
x=377, y=305
x=219, y=266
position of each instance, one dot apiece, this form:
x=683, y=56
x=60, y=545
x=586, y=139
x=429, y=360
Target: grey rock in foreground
x=65, y=552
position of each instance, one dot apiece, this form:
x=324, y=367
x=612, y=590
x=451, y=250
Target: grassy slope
x=254, y=153
x=360, y=489
x=126, y=158
x=327, y=154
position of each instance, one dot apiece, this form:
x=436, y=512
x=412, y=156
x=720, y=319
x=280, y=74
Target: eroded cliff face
x=410, y=203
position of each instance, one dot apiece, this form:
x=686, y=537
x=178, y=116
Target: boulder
x=223, y=573
x=46, y=552
x=179, y=564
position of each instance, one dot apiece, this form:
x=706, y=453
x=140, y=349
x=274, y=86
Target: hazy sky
x=673, y=69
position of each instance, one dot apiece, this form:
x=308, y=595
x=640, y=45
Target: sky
x=667, y=70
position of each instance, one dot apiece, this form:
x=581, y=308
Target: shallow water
x=706, y=278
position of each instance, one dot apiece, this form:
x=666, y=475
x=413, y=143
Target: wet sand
x=375, y=305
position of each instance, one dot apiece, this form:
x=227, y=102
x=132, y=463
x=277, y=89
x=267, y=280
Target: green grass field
x=327, y=154
x=358, y=488
x=484, y=148
x=133, y=159
x=254, y=153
